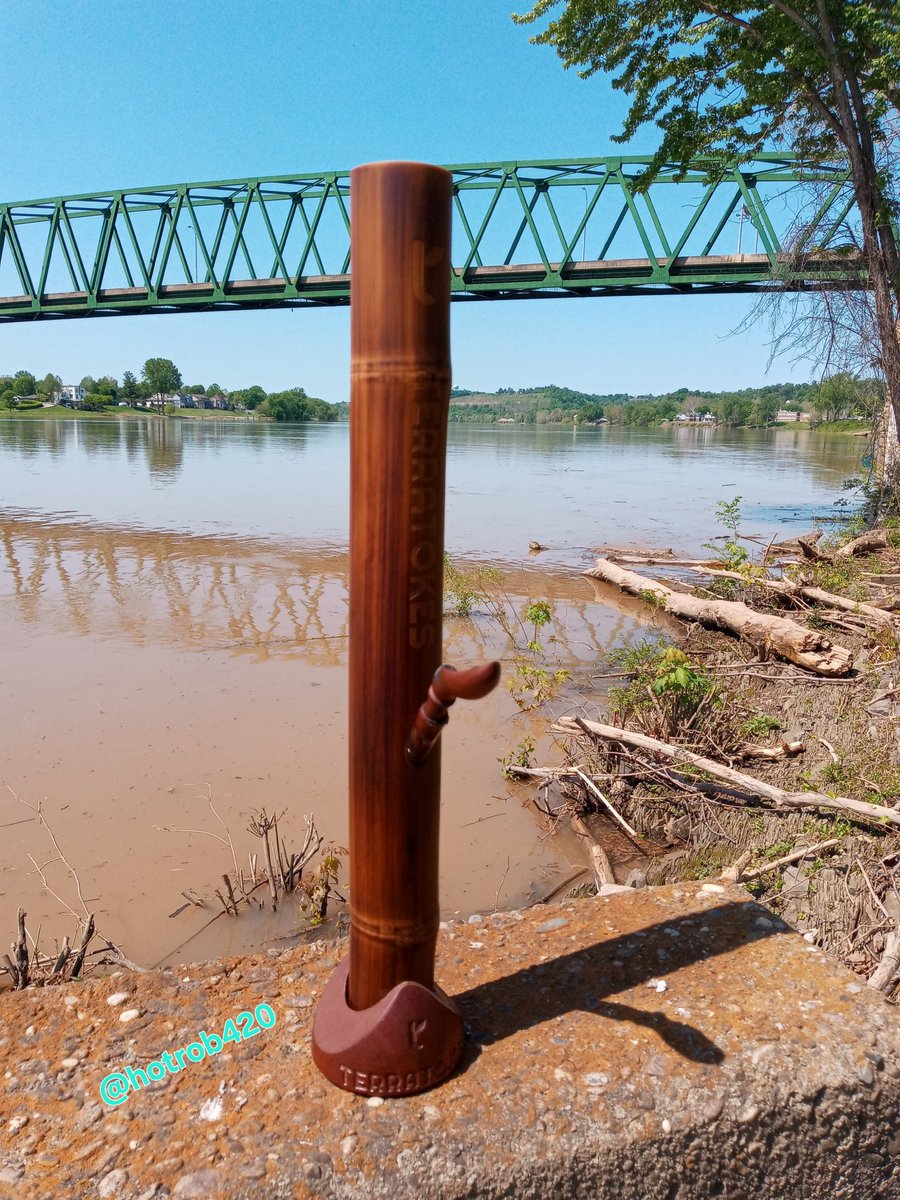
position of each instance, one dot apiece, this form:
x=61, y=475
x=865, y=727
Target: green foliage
x=532, y=683
x=519, y=756
x=759, y=726
x=315, y=890
x=466, y=589
x=100, y=402
x=537, y=613
x=723, y=80
x=670, y=697
x=731, y=552
x=840, y=397
x=295, y=405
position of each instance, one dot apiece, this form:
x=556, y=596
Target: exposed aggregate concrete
x=672, y=1043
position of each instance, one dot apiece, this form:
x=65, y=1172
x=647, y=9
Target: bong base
x=406, y=1043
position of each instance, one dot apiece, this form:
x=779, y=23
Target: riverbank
x=61, y=412
x=818, y=840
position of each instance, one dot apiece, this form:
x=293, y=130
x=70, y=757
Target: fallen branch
x=771, y=753
x=882, y=977
x=778, y=796
x=600, y=864
x=78, y=960
x=592, y=787
x=796, y=856
x=875, y=539
x=806, y=647
x=785, y=587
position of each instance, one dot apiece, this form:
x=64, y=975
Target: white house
x=71, y=395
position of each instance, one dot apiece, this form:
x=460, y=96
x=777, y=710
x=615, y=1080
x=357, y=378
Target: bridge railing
x=521, y=229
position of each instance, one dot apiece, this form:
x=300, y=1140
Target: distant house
x=71, y=395
x=790, y=415
x=217, y=401
x=696, y=418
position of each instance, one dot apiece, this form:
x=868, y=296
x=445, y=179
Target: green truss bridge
x=575, y=227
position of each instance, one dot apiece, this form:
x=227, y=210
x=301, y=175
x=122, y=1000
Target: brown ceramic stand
x=406, y=1043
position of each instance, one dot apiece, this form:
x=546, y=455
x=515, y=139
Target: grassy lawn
x=68, y=414
x=77, y=414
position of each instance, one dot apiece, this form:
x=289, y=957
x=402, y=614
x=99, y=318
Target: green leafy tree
x=729, y=78
x=161, y=377
x=295, y=405
x=251, y=397
x=841, y=396
x=24, y=384
x=49, y=387
x=108, y=385
x=89, y=383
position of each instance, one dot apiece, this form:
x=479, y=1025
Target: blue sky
x=131, y=93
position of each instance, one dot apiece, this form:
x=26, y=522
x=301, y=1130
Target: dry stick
x=875, y=539
x=21, y=950
x=231, y=894
x=873, y=893
x=797, y=856
x=831, y=750
x=205, y=832
x=11, y=971
x=78, y=960
x=585, y=779
x=500, y=885
x=734, y=873
x=278, y=848
x=768, y=791
x=770, y=753
x=539, y=773
x=600, y=864
x=38, y=811
x=273, y=892
x=882, y=977
x=62, y=958
x=224, y=903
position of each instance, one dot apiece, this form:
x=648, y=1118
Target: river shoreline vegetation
x=836, y=399
x=160, y=390
x=837, y=404
x=706, y=753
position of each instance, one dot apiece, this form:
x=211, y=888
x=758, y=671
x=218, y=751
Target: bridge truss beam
x=521, y=230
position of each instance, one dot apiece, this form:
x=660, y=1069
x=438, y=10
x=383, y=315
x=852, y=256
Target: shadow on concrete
x=584, y=979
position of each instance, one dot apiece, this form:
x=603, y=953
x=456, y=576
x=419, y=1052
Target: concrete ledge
x=669, y=1044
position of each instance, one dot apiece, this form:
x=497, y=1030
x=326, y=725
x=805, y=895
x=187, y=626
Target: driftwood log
x=875, y=539
x=791, y=590
x=807, y=648
x=767, y=791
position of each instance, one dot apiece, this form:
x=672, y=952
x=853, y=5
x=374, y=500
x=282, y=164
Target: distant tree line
x=838, y=398
x=159, y=379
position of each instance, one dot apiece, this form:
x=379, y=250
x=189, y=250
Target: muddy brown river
x=174, y=609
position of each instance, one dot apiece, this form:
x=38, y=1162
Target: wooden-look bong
x=382, y=1027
